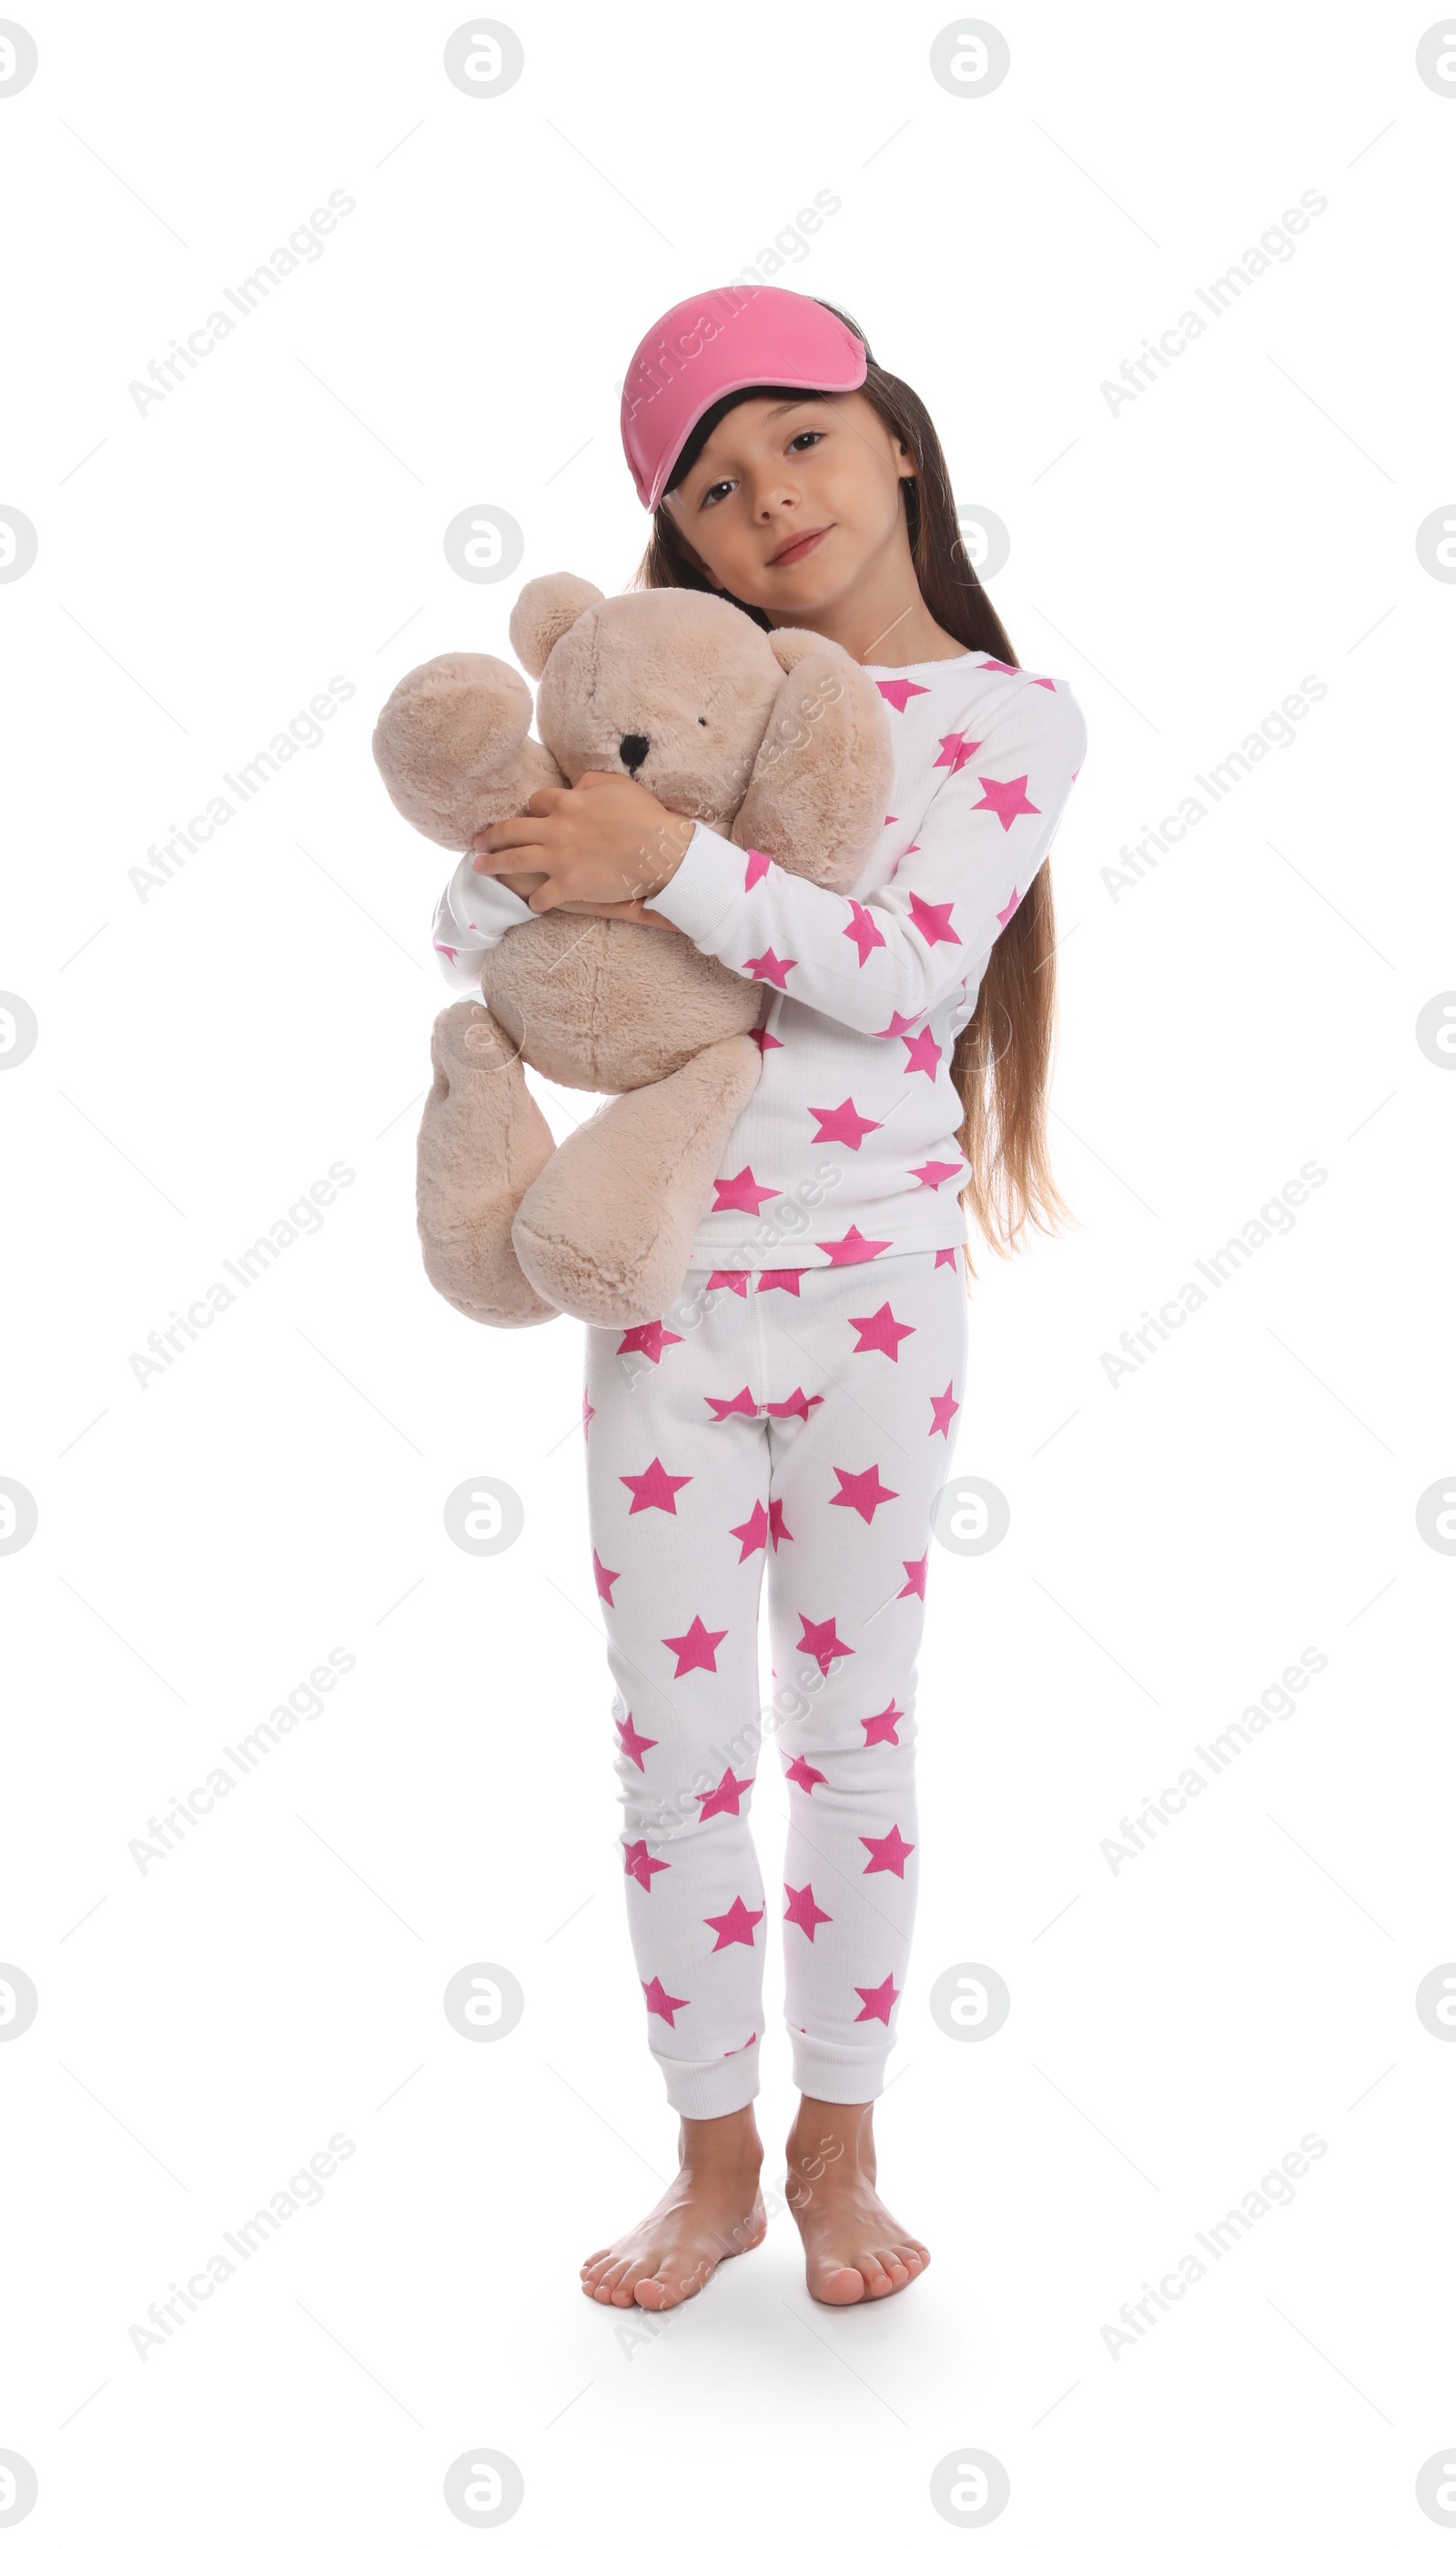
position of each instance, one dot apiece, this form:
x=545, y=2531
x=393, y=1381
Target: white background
x=206, y=1053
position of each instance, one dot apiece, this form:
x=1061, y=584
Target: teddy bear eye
x=701, y=721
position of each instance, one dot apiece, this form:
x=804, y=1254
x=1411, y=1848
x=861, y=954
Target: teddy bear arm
x=821, y=783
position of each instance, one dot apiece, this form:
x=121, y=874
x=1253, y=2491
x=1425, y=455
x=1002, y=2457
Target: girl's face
x=792, y=502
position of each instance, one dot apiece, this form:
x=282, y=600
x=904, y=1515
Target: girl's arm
x=472, y=914
x=881, y=964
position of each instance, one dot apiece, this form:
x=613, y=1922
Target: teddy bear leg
x=606, y=1229
x=482, y=1139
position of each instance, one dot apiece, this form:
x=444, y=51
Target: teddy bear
x=777, y=740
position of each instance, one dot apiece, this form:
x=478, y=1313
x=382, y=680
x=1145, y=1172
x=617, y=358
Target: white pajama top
x=846, y=1150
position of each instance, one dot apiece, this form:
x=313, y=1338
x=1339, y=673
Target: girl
x=797, y=1409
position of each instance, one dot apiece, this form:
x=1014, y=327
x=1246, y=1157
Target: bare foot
x=713, y=2210
x=854, y=2249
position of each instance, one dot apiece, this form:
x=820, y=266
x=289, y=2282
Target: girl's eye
x=811, y=434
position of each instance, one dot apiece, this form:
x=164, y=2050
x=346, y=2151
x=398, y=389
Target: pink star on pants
x=734, y=1926
x=804, y=1775
x=742, y=1405
x=798, y=1405
x=878, y=2002
x=804, y=1911
x=854, y=1249
x=753, y=1533
x=882, y=1333
x=634, y=1745
x=654, y=1490
x=915, y=1573
x=880, y=1729
x=606, y=1577
x=823, y=1641
x=696, y=1649
x=861, y=1489
x=887, y=1852
x=649, y=1339
x=945, y=1407
x=661, y=2002
x=642, y=1865
x=723, y=1799
x=781, y=1279
x=724, y=1279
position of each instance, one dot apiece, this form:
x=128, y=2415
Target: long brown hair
x=1002, y=1062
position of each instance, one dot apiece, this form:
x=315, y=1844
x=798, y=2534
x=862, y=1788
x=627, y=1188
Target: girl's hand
x=637, y=912
x=602, y=842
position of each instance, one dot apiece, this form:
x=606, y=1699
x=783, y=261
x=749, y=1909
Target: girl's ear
x=544, y=609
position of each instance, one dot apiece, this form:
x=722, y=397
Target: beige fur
x=780, y=742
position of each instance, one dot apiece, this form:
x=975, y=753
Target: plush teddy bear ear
x=790, y=645
x=544, y=611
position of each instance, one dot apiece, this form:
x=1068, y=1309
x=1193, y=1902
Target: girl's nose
x=634, y=750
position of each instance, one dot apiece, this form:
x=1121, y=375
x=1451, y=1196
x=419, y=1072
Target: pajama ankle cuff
x=717, y=2088
x=830, y=2072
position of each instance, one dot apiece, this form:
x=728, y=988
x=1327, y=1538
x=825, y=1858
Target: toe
x=832, y=2280
x=894, y=2265
x=876, y=2280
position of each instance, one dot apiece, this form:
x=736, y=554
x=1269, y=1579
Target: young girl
x=797, y=1409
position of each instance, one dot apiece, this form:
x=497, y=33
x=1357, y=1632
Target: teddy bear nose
x=634, y=749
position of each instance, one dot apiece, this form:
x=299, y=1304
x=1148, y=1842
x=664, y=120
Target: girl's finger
x=511, y=834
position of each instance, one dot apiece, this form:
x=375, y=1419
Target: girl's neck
x=880, y=620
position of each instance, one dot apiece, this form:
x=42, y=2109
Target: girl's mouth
x=799, y=548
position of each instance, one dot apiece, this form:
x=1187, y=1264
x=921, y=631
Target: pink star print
x=769, y=968
x=861, y=1489
x=823, y=1641
x=804, y=1911
x=955, y=751
x=766, y=1043
x=742, y=1405
x=881, y=1334
x=798, y=1405
x=936, y=1171
x=587, y=1413
x=879, y=2001
x=885, y=1852
x=734, y=1926
x=441, y=948
x=946, y=1256
x=863, y=931
x=640, y=1863
x=896, y=692
x=896, y=1025
x=781, y=1279
x=945, y=1407
x=654, y=1490
x=854, y=1249
x=634, y=1745
x=933, y=920
x=606, y=1577
x=724, y=1280
x=924, y=1051
x=661, y=2002
x=742, y=1193
x=1003, y=916
x=696, y=1649
x=843, y=1123
x=914, y=1573
x=881, y=1728
x=649, y=1339
x=723, y=1799
x=755, y=866
x=753, y=1533
x=1005, y=799
x=804, y=1775
x=778, y=1529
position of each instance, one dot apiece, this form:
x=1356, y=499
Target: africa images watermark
x=305, y=1700
x=1275, y=2187
x=305, y=1219
x=305, y=2187
x=1273, y=1217
x=305, y=732
x=1219, y=1754
x=305, y=246
x=1275, y=731
x=1276, y=247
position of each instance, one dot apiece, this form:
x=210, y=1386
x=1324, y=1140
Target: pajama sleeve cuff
x=698, y=898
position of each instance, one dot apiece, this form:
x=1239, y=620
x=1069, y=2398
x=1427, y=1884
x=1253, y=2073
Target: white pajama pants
x=804, y=1422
